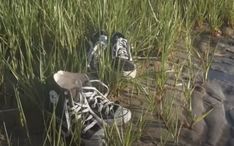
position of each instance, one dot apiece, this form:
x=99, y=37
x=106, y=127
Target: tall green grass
x=228, y=12
x=40, y=37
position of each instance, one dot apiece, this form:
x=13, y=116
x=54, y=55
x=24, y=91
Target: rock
x=208, y=97
x=231, y=114
x=231, y=142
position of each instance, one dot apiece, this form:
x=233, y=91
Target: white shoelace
x=80, y=109
x=102, y=84
x=122, y=50
x=91, y=94
x=97, y=99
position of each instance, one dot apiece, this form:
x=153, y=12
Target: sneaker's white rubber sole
x=131, y=74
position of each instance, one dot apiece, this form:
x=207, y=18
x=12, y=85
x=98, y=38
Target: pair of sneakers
x=119, y=48
x=76, y=99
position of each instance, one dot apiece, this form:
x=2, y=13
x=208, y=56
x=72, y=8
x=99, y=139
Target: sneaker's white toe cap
x=131, y=74
x=121, y=116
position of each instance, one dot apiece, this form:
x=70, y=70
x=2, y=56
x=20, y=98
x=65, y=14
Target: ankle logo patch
x=54, y=97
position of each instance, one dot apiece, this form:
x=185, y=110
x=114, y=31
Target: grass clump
x=38, y=38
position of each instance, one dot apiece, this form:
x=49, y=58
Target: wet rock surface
x=214, y=96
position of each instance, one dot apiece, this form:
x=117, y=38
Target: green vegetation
x=40, y=37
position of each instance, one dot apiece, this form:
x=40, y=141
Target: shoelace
x=122, y=50
x=102, y=42
x=82, y=109
x=98, y=100
x=79, y=111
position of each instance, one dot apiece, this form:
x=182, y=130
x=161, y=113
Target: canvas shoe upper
x=104, y=110
x=121, y=55
x=79, y=113
x=110, y=112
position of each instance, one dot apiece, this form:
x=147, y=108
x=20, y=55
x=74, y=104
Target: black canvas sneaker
x=95, y=92
x=109, y=111
x=66, y=86
x=121, y=55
